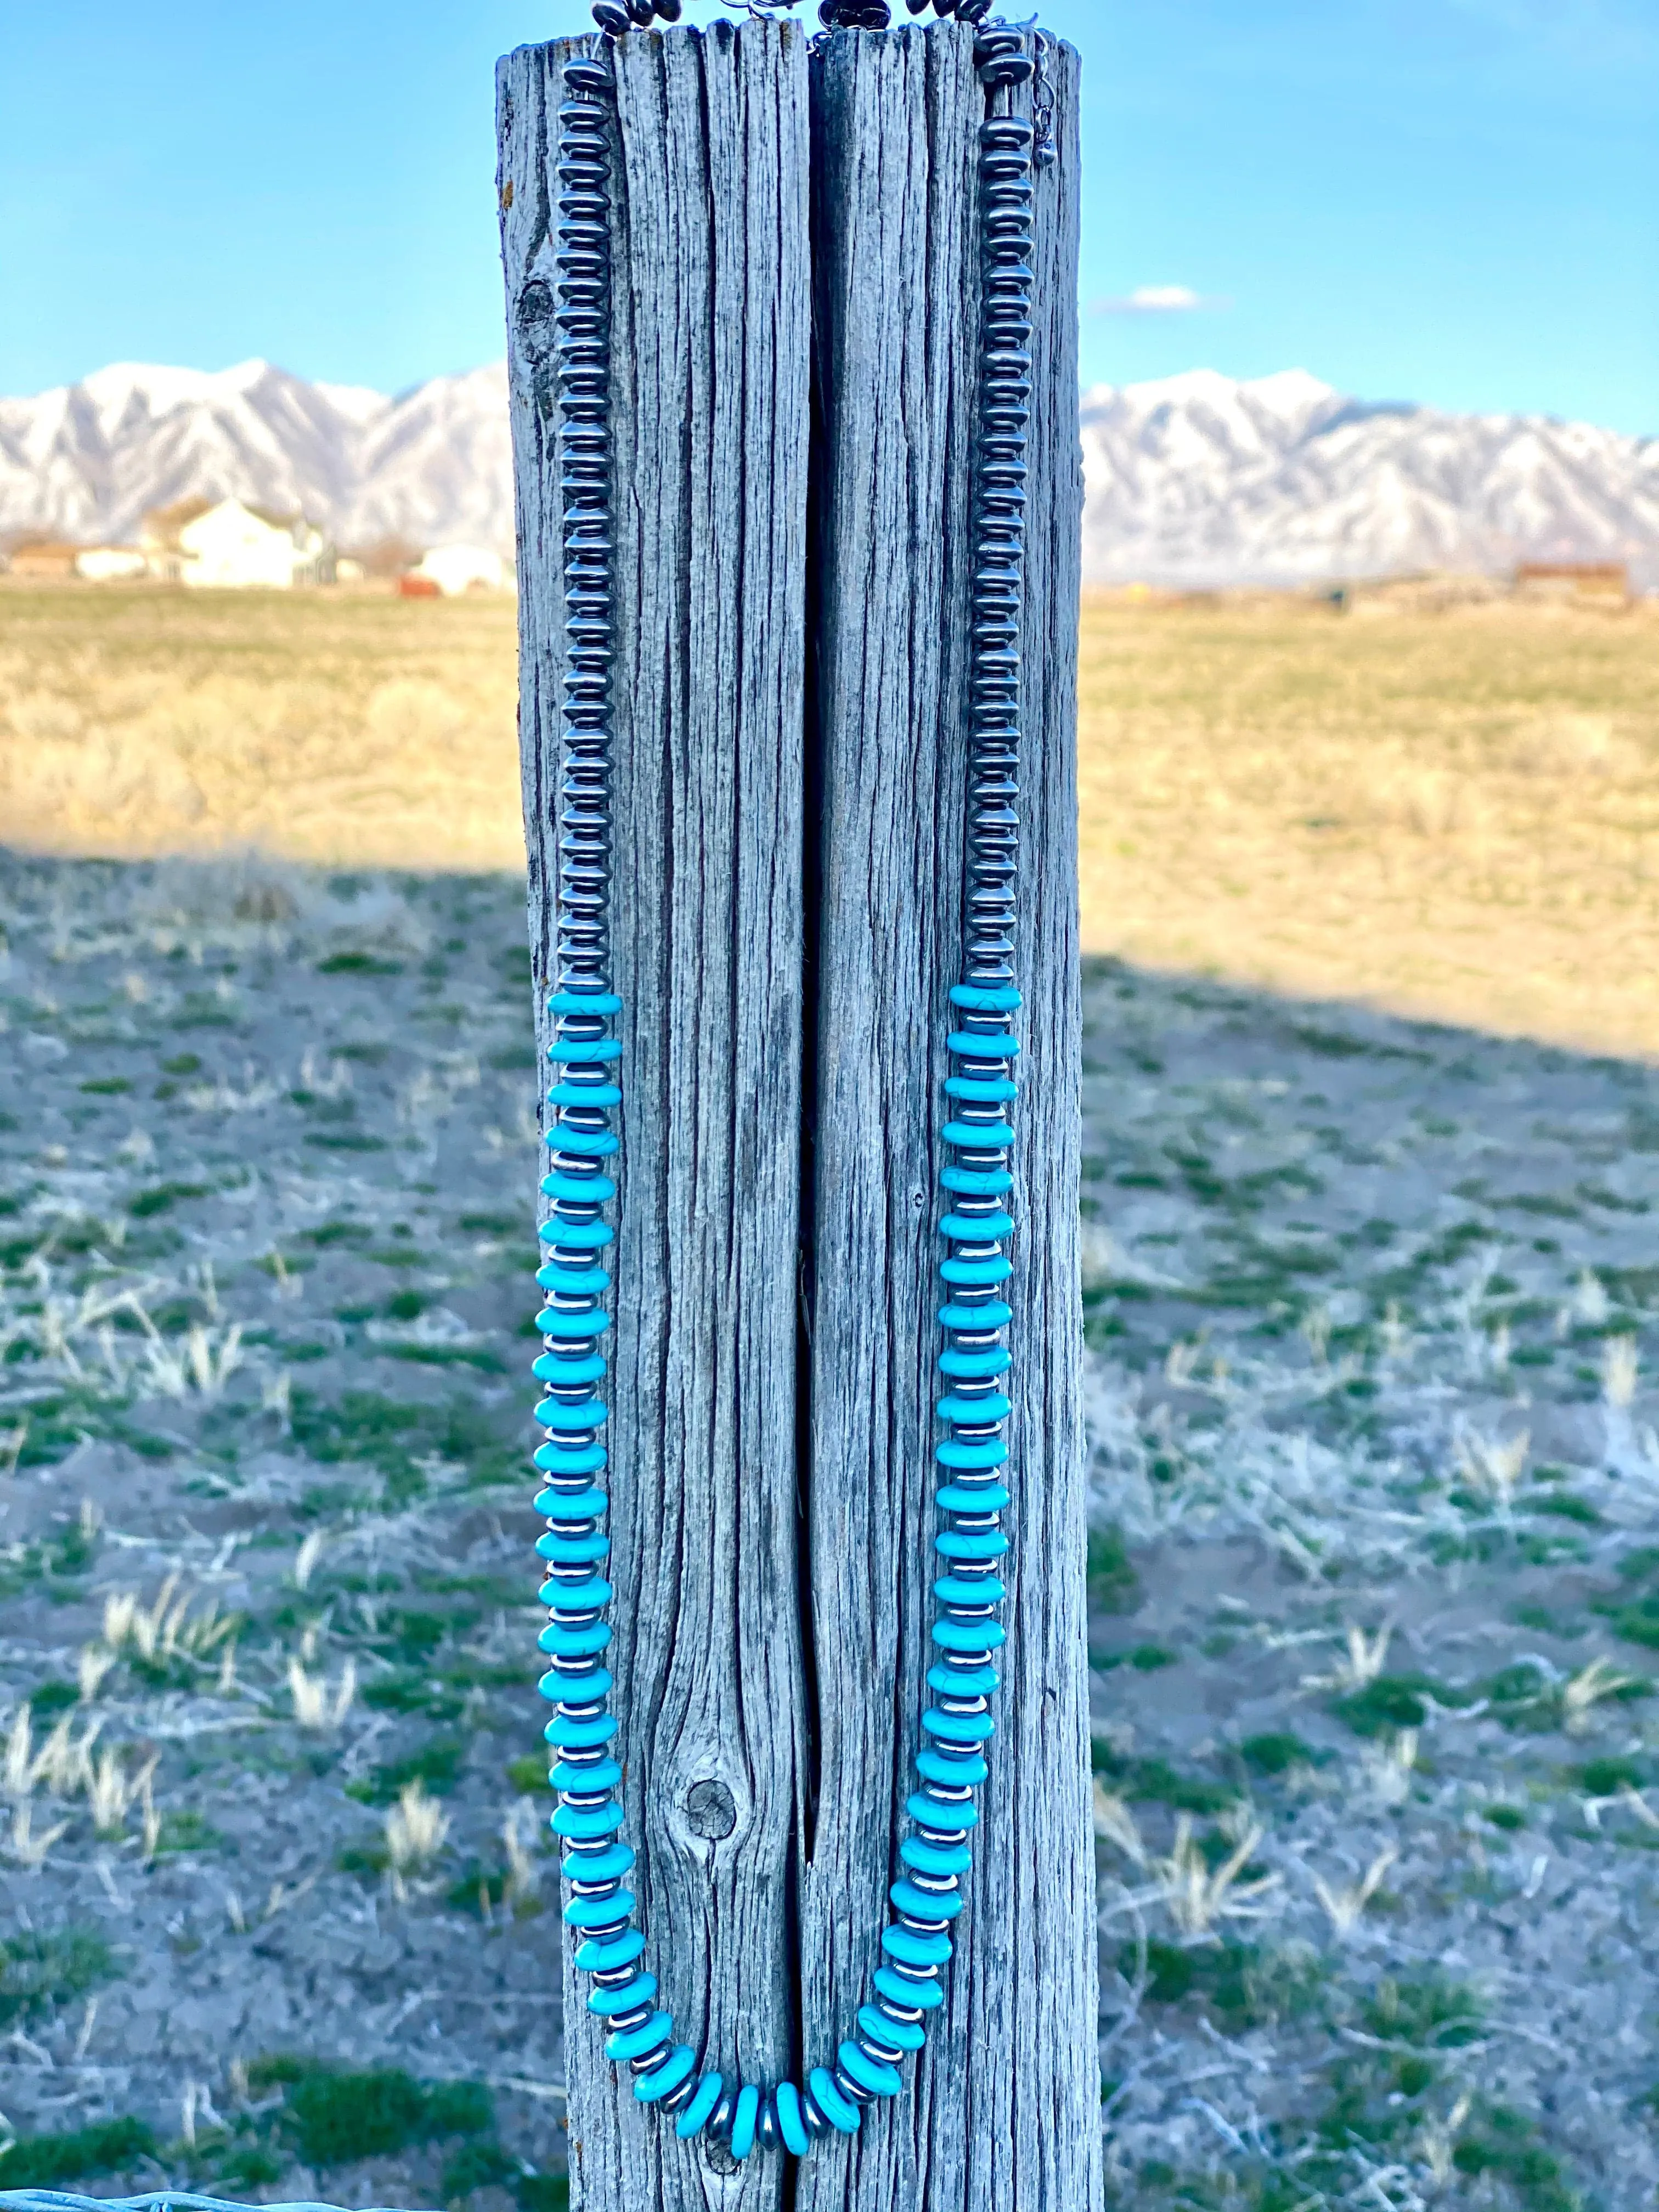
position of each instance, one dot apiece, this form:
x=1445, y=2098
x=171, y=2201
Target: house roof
x=161, y=525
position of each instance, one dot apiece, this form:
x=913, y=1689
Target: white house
x=456, y=568
x=110, y=564
x=227, y=545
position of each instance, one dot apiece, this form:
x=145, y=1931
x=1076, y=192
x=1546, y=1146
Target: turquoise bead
x=791, y=2125
x=934, y=1812
x=980, y=1136
x=565, y=1460
x=582, y=1094
x=564, y=1367
x=972, y=1497
x=913, y=1950
x=591, y=1189
x=572, y=1550
x=970, y=1457
x=923, y=1905
x=635, y=2042
x=596, y=1866
x=562, y=1689
x=572, y=1282
x=869, y=2073
x=587, y=1827
x=692, y=2120
x=975, y=1227
x=586, y=1413
x=669, y=2076
x=974, y=1366
x=604, y=1774
x=968, y=1544
x=580, y=1736
x=966, y=1045
x=838, y=2110
x=988, y=1405
x=598, y=1912
x=576, y=1596
x=961, y=1589
x=984, y=998
x=965, y=1273
x=594, y=1957
x=574, y=1643
x=585, y=1051
x=935, y=1766
x=571, y=1504
x=993, y=1314
x=972, y=1182
x=594, y=1002
x=899, y=2034
x=572, y=1328
x=935, y=1859
x=959, y=1727
x=964, y=1681
x=583, y=1144
x=577, y=1236
x=980, y=1090
x=742, y=2123
x=925, y=1997
x=640, y=1991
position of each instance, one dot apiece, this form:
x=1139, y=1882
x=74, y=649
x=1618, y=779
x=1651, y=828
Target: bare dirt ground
x=1374, y=1592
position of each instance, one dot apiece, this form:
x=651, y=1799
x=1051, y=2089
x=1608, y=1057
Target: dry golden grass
x=328, y=727
x=1454, y=815
x=1451, y=814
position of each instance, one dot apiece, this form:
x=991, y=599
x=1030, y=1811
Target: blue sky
x=1454, y=201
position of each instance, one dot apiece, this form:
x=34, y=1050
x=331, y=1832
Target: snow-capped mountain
x=1192, y=479
x=1197, y=479
x=86, y=460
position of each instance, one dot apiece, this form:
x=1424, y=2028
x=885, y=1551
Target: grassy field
x=362, y=730
x=1454, y=815
x=1372, y=1317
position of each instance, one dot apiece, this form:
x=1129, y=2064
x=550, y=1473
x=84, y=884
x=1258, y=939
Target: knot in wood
x=538, y=329
x=711, y=1810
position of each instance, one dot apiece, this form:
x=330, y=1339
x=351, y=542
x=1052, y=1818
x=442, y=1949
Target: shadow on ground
x=1374, y=1599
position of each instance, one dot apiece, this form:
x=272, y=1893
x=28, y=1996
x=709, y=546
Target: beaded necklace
x=978, y=1136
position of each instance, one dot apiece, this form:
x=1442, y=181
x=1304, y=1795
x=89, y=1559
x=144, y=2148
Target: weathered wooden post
x=787, y=923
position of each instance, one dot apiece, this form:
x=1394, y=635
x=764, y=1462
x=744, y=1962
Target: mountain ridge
x=86, y=461
x=1197, y=479
x=1205, y=480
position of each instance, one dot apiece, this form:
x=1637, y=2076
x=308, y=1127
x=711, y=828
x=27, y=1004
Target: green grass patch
x=358, y=963
x=1155, y=1782
x=1510, y=1818
x=334, y=2117
x=48, y=2161
x=187, y=1831
x=1395, y=1701
x=40, y=1970
x=1605, y=1778
x=529, y=1775
x=1240, y=1986
x=436, y=1766
x=1276, y=1752
x=160, y=1196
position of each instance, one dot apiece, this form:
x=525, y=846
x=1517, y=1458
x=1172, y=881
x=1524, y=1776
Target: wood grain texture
x=1007, y=2109
x=744, y=1474
x=711, y=351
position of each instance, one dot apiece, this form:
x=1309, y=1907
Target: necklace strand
x=975, y=1225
